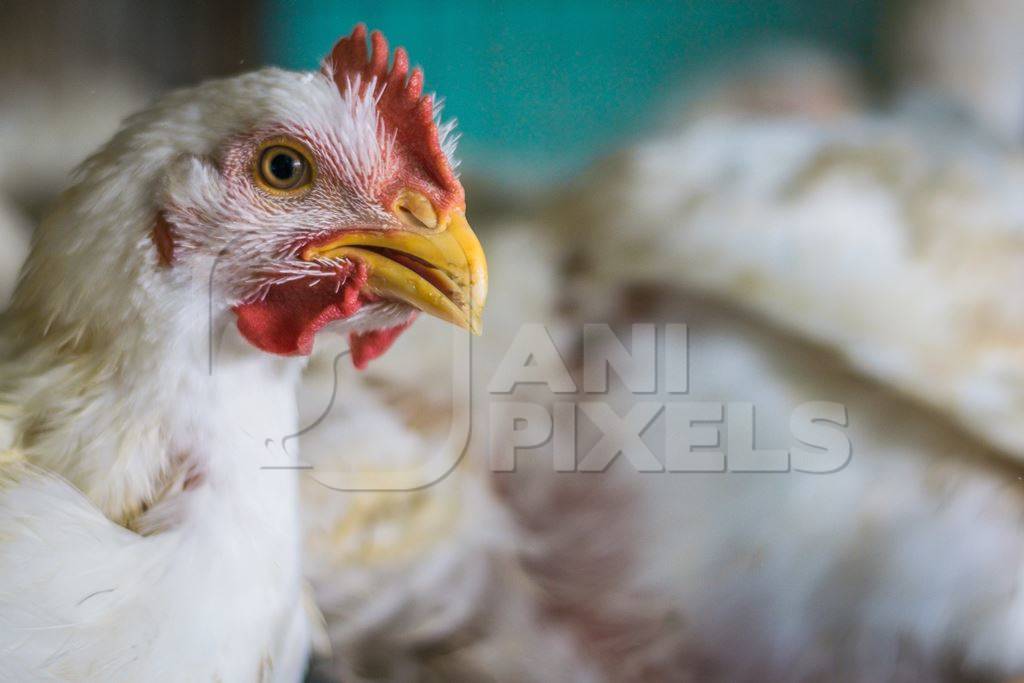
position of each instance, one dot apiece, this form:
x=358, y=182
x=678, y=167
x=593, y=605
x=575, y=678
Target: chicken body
x=205, y=582
x=149, y=522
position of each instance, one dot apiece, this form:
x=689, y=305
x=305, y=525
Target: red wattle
x=286, y=320
x=366, y=346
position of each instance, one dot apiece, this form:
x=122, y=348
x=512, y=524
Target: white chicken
x=148, y=511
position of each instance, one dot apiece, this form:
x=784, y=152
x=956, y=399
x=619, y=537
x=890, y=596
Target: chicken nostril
x=410, y=219
x=415, y=210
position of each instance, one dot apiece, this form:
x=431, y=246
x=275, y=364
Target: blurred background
x=539, y=89
x=545, y=86
x=829, y=193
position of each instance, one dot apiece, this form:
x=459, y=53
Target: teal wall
x=547, y=85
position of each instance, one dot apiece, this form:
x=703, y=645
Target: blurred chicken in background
x=817, y=250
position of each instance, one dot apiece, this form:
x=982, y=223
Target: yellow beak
x=440, y=270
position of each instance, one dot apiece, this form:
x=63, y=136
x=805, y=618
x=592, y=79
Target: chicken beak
x=440, y=270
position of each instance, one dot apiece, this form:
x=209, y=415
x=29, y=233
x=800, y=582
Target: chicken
x=858, y=259
x=149, y=520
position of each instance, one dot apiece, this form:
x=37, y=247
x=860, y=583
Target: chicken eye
x=284, y=168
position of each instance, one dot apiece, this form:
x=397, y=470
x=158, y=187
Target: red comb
x=405, y=110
